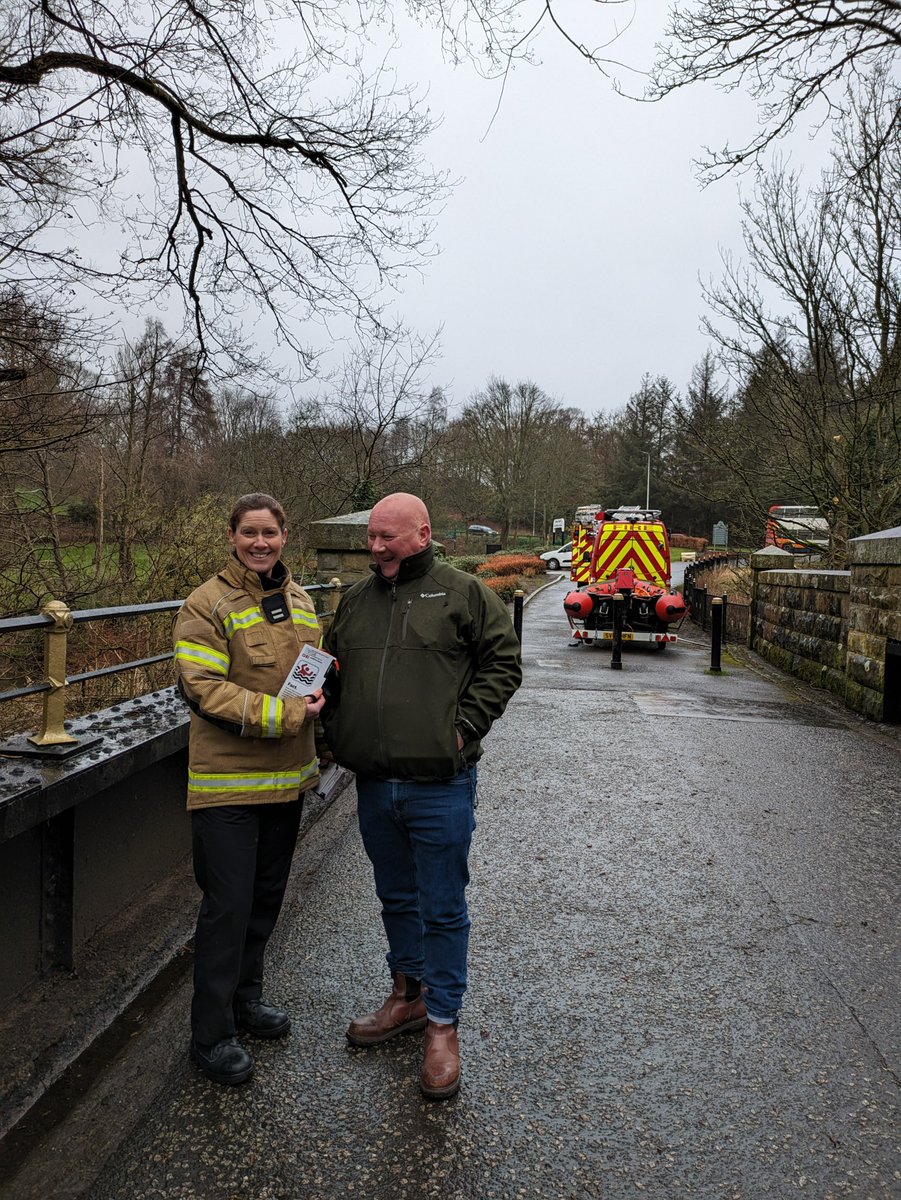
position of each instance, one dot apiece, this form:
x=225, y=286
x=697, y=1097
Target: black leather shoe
x=226, y=1062
x=262, y=1019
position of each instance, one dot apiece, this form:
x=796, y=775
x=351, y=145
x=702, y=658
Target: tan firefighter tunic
x=246, y=745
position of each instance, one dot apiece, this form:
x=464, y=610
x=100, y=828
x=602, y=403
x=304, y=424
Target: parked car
x=560, y=556
x=485, y=529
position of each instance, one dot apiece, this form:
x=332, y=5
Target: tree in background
x=153, y=412
x=507, y=429
x=134, y=446
x=247, y=454
x=45, y=392
x=460, y=481
x=704, y=488
x=189, y=412
x=560, y=472
x=642, y=440
x=48, y=414
x=375, y=429
x=187, y=546
x=603, y=438
x=813, y=331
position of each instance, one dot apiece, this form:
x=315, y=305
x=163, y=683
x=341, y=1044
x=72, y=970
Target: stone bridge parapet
x=840, y=630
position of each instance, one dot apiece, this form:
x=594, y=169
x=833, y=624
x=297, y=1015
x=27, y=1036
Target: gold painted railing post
x=53, y=727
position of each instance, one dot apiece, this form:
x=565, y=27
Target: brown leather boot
x=402, y=1012
x=441, y=1066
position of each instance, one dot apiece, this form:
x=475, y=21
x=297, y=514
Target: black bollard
x=716, y=634
x=616, y=660
x=518, y=596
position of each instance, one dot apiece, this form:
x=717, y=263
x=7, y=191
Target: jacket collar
x=413, y=567
x=251, y=581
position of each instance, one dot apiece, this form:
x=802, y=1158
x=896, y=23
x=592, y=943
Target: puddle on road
x=681, y=704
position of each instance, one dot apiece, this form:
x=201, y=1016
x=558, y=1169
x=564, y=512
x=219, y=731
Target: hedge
x=503, y=586
x=511, y=564
x=683, y=541
x=469, y=563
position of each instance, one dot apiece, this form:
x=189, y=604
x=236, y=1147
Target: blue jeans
x=417, y=836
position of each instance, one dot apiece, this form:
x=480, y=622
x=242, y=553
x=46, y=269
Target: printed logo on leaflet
x=304, y=672
x=431, y=595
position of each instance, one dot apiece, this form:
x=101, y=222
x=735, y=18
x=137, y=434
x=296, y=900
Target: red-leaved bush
x=503, y=585
x=511, y=564
x=683, y=541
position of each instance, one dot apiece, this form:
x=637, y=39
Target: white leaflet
x=307, y=673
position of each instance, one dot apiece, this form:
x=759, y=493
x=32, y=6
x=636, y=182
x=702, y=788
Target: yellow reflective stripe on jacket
x=271, y=720
x=242, y=620
x=300, y=616
x=202, y=656
x=250, y=781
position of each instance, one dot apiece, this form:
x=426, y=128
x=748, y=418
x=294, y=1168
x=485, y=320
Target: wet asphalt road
x=684, y=976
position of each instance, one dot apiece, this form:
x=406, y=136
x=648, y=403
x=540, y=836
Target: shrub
x=731, y=581
x=511, y=564
x=469, y=563
x=82, y=512
x=683, y=541
x=503, y=585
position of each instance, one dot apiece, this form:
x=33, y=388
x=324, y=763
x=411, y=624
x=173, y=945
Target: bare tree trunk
x=101, y=513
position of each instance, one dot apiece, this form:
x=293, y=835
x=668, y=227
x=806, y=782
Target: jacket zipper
x=378, y=694
x=403, y=628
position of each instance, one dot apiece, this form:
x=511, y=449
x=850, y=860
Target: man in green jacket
x=428, y=659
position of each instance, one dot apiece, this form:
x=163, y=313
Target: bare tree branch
x=788, y=53
x=285, y=178
x=812, y=326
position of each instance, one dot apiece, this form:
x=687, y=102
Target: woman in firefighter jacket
x=251, y=757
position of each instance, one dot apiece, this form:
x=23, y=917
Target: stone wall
x=341, y=547
x=874, y=619
x=799, y=622
x=833, y=628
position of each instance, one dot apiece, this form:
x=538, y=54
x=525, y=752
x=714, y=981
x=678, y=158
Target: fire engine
x=623, y=550
x=797, y=528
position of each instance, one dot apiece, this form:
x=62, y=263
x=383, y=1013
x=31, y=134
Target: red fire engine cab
x=623, y=550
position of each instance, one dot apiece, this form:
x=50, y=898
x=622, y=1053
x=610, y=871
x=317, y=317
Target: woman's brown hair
x=246, y=504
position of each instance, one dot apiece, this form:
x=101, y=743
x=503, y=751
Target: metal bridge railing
x=57, y=620
x=735, y=616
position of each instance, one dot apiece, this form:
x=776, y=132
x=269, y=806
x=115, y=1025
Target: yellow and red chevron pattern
x=583, y=547
x=642, y=546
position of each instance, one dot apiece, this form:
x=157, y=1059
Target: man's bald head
x=401, y=506
x=398, y=528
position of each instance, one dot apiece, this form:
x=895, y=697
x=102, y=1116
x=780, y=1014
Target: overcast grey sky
x=572, y=250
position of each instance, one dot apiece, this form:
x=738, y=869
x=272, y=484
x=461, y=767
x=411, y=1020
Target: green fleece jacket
x=422, y=657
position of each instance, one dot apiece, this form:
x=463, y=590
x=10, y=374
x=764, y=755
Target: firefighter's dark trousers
x=242, y=858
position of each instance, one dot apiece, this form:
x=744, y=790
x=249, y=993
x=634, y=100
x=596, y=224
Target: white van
x=561, y=556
